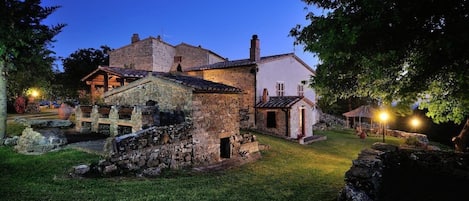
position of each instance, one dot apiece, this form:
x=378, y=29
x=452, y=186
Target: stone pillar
x=113, y=119
x=94, y=119
x=78, y=116
x=136, y=118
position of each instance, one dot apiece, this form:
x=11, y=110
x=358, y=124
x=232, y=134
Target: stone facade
x=166, y=93
x=193, y=56
x=153, y=54
x=285, y=116
x=280, y=128
x=208, y=135
x=215, y=117
x=240, y=77
x=150, y=54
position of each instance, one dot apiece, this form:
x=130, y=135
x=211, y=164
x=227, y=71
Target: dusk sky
x=224, y=27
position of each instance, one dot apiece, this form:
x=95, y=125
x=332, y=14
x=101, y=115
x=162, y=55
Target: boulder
x=40, y=141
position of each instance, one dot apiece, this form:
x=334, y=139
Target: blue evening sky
x=224, y=27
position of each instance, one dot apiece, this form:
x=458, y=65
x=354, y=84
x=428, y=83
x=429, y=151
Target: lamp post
x=383, y=116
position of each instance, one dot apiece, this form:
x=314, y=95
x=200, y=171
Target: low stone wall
x=149, y=151
x=387, y=172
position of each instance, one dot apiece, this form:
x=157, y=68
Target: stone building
x=153, y=54
x=285, y=116
x=283, y=75
x=211, y=107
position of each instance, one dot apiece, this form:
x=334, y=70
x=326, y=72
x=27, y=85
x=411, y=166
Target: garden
x=286, y=171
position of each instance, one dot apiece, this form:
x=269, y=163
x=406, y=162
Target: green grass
x=287, y=171
x=14, y=129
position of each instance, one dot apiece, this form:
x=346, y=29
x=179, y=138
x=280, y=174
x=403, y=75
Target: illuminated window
x=280, y=88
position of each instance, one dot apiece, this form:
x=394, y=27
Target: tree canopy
x=24, y=45
x=392, y=50
x=81, y=63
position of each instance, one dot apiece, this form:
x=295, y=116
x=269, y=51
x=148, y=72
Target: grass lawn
x=287, y=171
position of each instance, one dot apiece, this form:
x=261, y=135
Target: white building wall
x=295, y=119
x=290, y=71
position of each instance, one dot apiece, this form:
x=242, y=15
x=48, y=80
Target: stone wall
x=241, y=77
x=215, y=116
x=149, y=54
x=168, y=95
x=387, y=172
x=193, y=56
x=150, y=151
x=280, y=129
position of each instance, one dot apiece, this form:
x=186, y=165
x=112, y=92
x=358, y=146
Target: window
x=280, y=88
x=300, y=90
x=177, y=59
x=271, y=120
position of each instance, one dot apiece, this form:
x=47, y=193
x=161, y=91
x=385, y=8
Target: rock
x=81, y=169
x=152, y=172
x=44, y=123
x=40, y=141
x=11, y=141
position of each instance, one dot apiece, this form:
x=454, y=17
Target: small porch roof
x=282, y=102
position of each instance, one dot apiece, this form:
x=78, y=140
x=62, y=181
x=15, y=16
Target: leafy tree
x=81, y=63
x=23, y=42
x=393, y=50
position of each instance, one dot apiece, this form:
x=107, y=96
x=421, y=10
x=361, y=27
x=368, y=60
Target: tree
x=393, y=50
x=81, y=63
x=23, y=42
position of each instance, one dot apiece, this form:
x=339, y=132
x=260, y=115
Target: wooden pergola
x=106, y=78
x=364, y=111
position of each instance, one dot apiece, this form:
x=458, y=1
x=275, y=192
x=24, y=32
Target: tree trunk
x=460, y=141
x=3, y=100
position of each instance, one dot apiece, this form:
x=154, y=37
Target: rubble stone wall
x=169, y=96
x=149, y=54
x=387, y=172
x=215, y=117
x=243, y=78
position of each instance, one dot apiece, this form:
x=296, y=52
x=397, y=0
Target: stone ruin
x=386, y=172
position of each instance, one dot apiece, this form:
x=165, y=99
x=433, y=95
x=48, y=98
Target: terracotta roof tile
x=199, y=85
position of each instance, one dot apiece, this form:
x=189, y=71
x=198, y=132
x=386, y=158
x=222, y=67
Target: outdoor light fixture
x=415, y=122
x=34, y=93
x=384, y=116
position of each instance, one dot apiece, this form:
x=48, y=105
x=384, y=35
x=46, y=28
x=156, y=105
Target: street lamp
x=384, y=116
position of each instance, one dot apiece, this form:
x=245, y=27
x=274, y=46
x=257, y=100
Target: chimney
x=254, y=51
x=265, y=96
x=135, y=38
